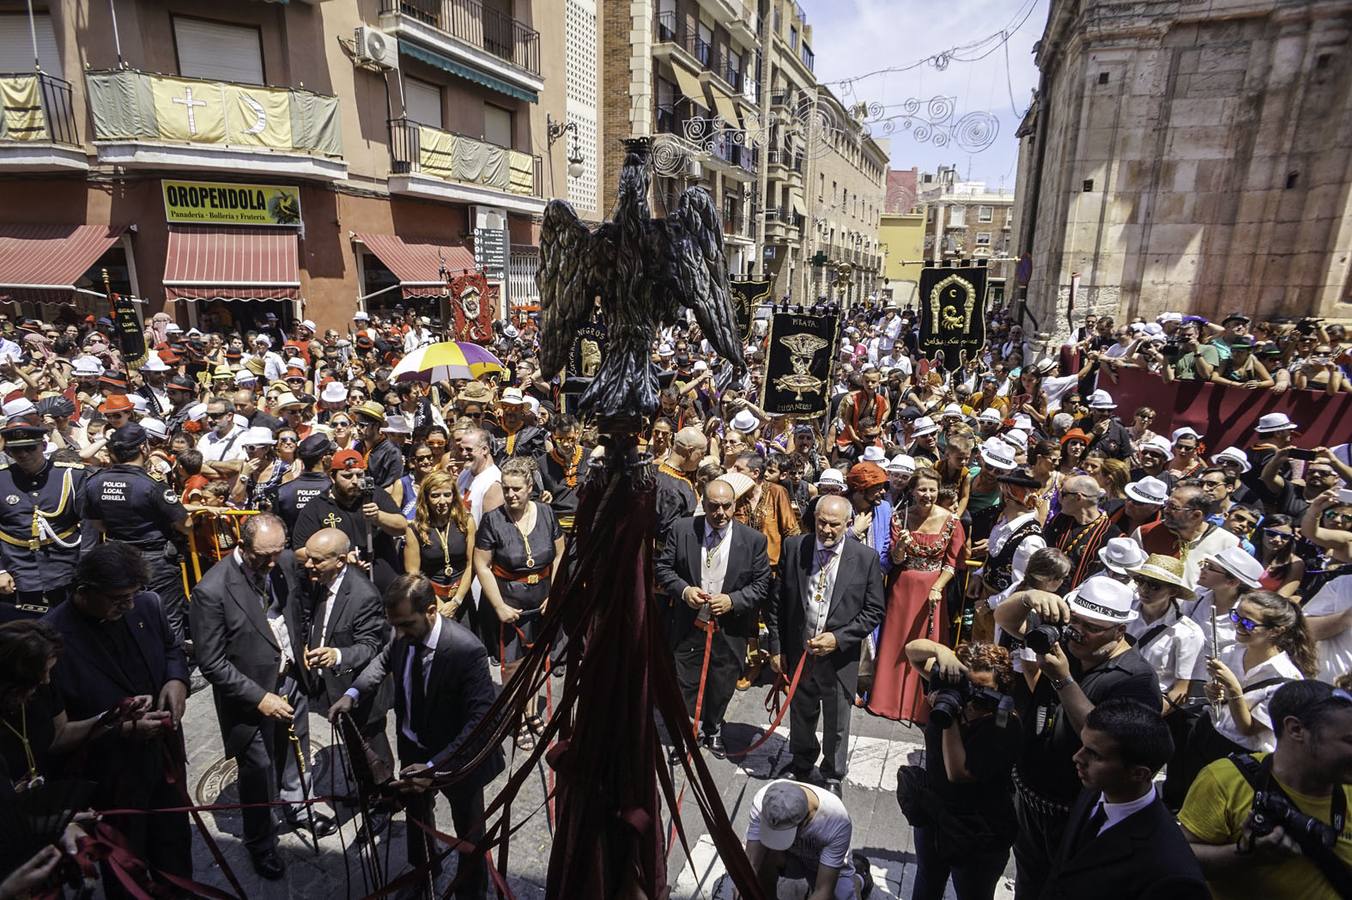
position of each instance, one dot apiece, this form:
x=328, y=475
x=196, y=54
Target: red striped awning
x=36, y=260
x=225, y=263
x=418, y=264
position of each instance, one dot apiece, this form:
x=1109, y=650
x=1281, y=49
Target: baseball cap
x=783, y=808
x=346, y=459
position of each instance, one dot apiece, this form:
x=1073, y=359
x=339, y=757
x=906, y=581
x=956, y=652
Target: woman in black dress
x=516, y=550
x=444, y=532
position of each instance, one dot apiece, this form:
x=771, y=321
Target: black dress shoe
x=714, y=741
x=833, y=785
x=268, y=864
x=323, y=826
x=864, y=870
x=379, y=821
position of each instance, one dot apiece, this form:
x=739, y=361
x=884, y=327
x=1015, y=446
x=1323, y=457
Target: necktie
x=419, y=698
x=1093, y=826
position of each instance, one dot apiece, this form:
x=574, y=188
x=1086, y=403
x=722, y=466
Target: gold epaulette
x=69, y=465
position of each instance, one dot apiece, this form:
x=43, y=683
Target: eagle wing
x=701, y=282
x=568, y=280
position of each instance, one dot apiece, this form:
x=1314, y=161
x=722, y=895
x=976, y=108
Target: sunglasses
x=422, y=458
x=1213, y=483
x=1249, y=625
x=341, y=424
x=1146, y=584
x=286, y=440
x=214, y=416
x=1274, y=533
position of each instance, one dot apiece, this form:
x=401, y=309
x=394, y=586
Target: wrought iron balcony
x=422, y=150
x=479, y=26
x=46, y=116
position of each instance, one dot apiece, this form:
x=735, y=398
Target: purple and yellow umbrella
x=446, y=361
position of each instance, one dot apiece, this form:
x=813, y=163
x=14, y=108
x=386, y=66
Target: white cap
x=700, y=366
x=901, y=464
x=1121, y=555
x=831, y=478
x=87, y=367
x=360, y=316
x=1169, y=317
x=745, y=422
x=153, y=363
x=1101, y=399
x=197, y=412
x=1149, y=490
x=155, y=428
x=922, y=426
x=874, y=454
x=1103, y=600
x=333, y=392
x=1160, y=444
x=257, y=436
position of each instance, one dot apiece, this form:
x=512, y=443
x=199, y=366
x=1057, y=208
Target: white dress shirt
x=713, y=557
x=215, y=448
x=428, y=648
x=1116, y=812
x=331, y=600
x=821, y=583
x=276, y=621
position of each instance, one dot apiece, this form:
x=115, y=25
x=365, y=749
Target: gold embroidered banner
x=952, y=310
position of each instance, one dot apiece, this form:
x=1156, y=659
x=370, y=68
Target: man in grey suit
x=718, y=571
x=830, y=597
x=249, y=627
x=442, y=691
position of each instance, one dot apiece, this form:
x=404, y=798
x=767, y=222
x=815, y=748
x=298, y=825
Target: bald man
x=717, y=573
x=346, y=628
x=829, y=596
x=675, y=480
x=1081, y=528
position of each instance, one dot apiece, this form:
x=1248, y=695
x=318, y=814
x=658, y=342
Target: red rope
x=783, y=707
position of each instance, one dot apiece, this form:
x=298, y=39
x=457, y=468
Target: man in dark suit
x=347, y=628
x=1121, y=841
x=830, y=596
x=717, y=572
x=249, y=627
x=442, y=692
x=118, y=644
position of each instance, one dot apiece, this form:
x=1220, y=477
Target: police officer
x=41, y=505
x=314, y=453
x=126, y=504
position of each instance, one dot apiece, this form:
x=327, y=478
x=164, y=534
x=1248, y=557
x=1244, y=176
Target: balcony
x=148, y=121
x=670, y=29
x=441, y=165
x=38, y=134
x=469, y=33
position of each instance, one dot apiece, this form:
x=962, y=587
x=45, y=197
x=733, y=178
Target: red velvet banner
x=1225, y=416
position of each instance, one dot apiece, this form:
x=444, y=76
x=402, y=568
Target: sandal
x=534, y=724
x=525, y=739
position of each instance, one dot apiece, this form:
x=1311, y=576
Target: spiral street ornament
x=932, y=122
x=669, y=156
x=976, y=131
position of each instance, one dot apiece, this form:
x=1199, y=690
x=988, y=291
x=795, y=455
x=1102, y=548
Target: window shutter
x=422, y=102
x=218, y=52
x=16, y=44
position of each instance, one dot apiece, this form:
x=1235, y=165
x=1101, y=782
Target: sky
x=854, y=37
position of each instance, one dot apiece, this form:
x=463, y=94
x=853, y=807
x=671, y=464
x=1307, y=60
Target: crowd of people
x=1129, y=652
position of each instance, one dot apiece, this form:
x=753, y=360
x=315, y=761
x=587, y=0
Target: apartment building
x=848, y=171
x=683, y=72
x=222, y=161
x=968, y=220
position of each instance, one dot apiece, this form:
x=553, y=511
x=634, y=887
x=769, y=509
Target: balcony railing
x=670, y=28
x=477, y=25
x=421, y=149
x=43, y=115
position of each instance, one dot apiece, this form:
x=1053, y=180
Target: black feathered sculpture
x=645, y=271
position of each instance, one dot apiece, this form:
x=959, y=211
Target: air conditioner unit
x=375, y=49
x=693, y=169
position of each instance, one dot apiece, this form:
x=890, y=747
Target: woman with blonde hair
x=443, y=533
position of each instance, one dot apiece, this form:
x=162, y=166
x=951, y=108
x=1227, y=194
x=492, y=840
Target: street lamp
x=554, y=131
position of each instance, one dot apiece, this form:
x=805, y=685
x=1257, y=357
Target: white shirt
x=714, y=557
x=215, y=448
x=416, y=337
x=1116, y=812
x=1199, y=611
x=1175, y=652
x=1335, y=653
x=276, y=621
x=1055, y=389
x=330, y=600
x=1027, y=547
x=821, y=583
x=428, y=648
x=1257, y=700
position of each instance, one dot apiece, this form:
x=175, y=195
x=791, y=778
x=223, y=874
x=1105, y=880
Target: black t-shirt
x=297, y=493
x=1050, y=742
x=325, y=512
x=134, y=507
x=991, y=751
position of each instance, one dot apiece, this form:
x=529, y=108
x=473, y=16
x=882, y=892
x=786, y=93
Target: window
x=1009, y=217
x=422, y=102
x=16, y=45
x=985, y=213
x=957, y=217
x=218, y=52
x=704, y=46
x=793, y=36
x=497, y=125
x=983, y=238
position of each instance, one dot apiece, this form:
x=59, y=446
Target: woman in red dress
x=925, y=545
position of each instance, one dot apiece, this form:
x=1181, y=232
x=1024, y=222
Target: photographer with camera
x=960, y=803
x=367, y=514
x=1076, y=656
x=1187, y=360
x=1274, y=825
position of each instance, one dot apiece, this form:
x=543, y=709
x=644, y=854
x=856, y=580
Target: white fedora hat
x=1103, y=600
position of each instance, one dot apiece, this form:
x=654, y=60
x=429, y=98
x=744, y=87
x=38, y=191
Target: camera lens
x=1041, y=638
x=945, y=707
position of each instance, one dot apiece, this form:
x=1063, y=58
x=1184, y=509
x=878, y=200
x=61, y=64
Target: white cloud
x=853, y=37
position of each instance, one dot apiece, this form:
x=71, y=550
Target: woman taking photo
x=262, y=472
x=444, y=533
x=1282, y=569
x=516, y=550
x=969, y=756
x=926, y=539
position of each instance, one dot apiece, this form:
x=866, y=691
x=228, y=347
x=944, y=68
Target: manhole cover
x=218, y=783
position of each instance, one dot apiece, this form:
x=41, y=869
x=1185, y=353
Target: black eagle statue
x=645, y=272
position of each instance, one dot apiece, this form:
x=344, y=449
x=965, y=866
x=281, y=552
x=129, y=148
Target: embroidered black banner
x=131, y=335
x=747, y=296
x=798, y=364
x=952, y=310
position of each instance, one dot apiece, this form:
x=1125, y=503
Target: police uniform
x=296, y=494
x=40, y=530
x=143, y=512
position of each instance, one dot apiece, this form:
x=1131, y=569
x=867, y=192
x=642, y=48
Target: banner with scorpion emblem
x=952, y=309
x=747, y=296
x=798, y=364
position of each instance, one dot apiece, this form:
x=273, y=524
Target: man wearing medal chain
x=1081, y=529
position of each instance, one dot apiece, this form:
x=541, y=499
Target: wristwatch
x=1058, y=683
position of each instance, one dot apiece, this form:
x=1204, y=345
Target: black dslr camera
x=1041, y=638
x=947, y=698
x=1271, y=809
